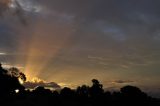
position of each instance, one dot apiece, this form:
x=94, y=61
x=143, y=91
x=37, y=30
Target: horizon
x=33, y=84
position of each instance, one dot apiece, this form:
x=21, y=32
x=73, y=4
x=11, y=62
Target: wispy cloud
x=118, y=83
x=8, y=65
x=2, y=53
x=123, y=81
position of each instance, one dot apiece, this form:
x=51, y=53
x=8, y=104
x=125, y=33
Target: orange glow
x=43, y=48
x=36, y=80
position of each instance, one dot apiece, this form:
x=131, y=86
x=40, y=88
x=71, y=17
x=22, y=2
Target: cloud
x=118, y=83
x=30, y=6
x=103, y=9
x=4, y=5
x=2, y=53
x=32, y=85
x=35, y=82
x=123, y=81
x=14, y=8
x=8, y=66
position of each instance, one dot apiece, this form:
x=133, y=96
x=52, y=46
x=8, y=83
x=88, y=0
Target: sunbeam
x=45, y=44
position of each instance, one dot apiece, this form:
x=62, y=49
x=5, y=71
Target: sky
x=71, y=42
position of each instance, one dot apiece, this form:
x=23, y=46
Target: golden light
x=36, y=80
x=41, y=43
x=21, y=81
x=44, y=46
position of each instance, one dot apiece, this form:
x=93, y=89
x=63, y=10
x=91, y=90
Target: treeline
x=12, y=93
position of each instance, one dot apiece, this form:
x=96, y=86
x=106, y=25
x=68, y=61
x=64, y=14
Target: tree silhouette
x=97, y=89
x=9, y=82
x=83, y=91
x=67, y=93
x=15, y=72
x=134, y=94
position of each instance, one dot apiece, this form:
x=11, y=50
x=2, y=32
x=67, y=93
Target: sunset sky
x=71, y=42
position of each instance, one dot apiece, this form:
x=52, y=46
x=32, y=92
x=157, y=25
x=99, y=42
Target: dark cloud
x=123, y=81
x=14, y=8
x=32, y=85
x=4, y=6
x=104, y=9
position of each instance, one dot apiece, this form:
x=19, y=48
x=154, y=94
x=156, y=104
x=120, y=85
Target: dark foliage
x=9, y=81
x=82, y=96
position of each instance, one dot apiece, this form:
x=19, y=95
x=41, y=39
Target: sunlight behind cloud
x=36, y=80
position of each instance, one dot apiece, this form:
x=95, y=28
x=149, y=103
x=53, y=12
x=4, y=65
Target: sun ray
x=43, y=48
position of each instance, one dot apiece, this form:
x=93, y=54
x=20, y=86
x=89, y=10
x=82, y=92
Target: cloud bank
x=33, y=85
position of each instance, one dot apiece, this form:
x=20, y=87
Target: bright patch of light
x=21, y=81
x=2, y=53
x=12, y=4
x=17, y=91
x=67, y=85
x=36, y=80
